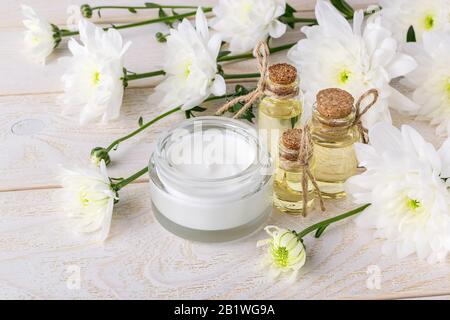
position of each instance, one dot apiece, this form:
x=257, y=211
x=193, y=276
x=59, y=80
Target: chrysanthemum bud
x=160, y=37
x=86, y=11
x=98, y=154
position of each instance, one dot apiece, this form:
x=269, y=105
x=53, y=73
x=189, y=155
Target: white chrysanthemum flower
x=41, y=37
x=286, y=252
x=90, y=199
x=244, y=23
x=354, y=59
x=410, y=203
x=93, y=86
x=431, y=80
x=425, y=16
x=190, y=65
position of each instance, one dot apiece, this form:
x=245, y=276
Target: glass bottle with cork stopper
x=334, y=132
x=293, y=182
x=280, y=108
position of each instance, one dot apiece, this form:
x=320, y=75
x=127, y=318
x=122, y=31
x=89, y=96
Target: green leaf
x=220, y=70
x=163, y=14
x=343, y=7
x=152, y=5
x=240, y=90
x=411, y=36
x=198, y=109
x=176, y=14
x=116, y=179
x=190, y=113
x=132, y=10
x=289, y=14
x=247, y=115
x=223, y=54
x=140, y=121
x=294, y=121
x=320, y=231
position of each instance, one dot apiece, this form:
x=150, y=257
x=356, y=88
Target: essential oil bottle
x=288, y=195
x=280, y=108
x=334, y=134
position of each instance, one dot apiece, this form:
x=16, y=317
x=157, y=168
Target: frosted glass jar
x=210, y=180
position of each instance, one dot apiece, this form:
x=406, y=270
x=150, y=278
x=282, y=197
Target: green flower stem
x=241, y=76
x=324, y=224
x=154, y=6
x=122, y=183
x=136, y=76
x=141, y=128
x=67, y=33
x=249, y=55
x=287, y=20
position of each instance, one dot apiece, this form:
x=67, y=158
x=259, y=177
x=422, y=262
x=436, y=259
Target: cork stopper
x=282, y=73
x=335, y=103
x=291, y=139
x=290, y=144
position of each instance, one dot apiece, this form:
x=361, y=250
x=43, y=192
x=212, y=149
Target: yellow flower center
x=35, y=40
x=413, y=204
x=429, y=22
x=96, y=78
x=187, y=68
x=245, y=10
x=84, y=199
x=344, y=76
x=280, y=256
x=187, y=71
x=447, y=87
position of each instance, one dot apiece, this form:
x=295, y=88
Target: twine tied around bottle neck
x=261, y=52
x=305, y=154
x=359, y=114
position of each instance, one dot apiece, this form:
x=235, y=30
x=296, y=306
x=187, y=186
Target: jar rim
x=264, y=163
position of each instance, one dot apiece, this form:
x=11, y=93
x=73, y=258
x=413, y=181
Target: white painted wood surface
x=40, y=254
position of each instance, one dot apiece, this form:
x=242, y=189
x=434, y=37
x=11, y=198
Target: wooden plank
x=56, y=12
x=434, y=297
x=142, y=260
x=38, y=138
x=145, y=54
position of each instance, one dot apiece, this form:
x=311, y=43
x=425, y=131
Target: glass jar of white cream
x=211, y=180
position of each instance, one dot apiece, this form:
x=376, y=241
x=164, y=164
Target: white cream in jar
x=210, y=180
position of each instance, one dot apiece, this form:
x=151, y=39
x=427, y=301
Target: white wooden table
x=41, y=256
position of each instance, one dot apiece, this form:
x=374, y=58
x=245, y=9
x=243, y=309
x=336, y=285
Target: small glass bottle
x=288, y=194
x=334, y=134
x=281, y=108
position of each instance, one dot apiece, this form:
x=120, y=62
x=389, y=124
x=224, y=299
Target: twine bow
x=261, y=52
x=304, y=157
x=359, y=114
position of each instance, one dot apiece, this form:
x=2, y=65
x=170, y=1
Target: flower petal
x=277, y=29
